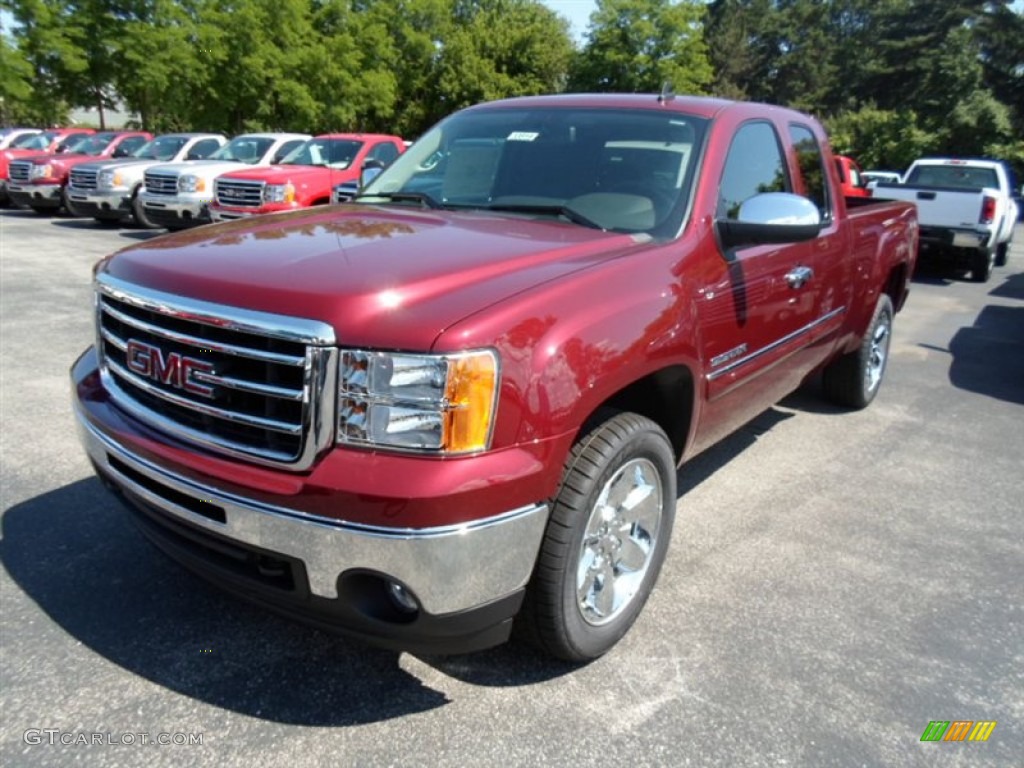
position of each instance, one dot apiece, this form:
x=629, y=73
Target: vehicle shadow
x=79, y=223
x=936, y=273
x=75, y=554
x=988, y=357
x=1011, y=288
x=141, y=234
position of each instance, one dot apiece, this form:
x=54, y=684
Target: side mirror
x=771, y=217
x=120, y=151
x=370, y=171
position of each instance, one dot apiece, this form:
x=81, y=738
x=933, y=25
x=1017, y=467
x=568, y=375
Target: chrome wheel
x=619, y=540
x=877, y=354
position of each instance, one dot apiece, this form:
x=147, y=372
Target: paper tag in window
x=522, y=136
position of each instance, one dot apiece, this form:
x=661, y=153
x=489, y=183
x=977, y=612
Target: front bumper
x=468, y=579
x=231, y=214
x=37, y=195
x=176, y=211
x=112, y=203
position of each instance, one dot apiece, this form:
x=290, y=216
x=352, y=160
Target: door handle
x=797, y=276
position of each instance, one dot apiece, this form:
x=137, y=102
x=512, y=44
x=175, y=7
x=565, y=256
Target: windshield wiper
x=557, y=210
x=406, y=197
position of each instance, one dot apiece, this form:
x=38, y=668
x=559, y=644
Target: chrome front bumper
x=449, y=569
x=40, y=192
x=185, y=207
x=107, y=199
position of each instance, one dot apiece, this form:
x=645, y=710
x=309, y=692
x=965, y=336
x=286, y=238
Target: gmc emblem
x=175, y=370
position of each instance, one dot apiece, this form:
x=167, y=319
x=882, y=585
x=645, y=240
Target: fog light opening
x=402, y=598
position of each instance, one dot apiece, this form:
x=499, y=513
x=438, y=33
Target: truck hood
x=121, y=162
x=206, y=168
x=381, y=276
x=296, y=174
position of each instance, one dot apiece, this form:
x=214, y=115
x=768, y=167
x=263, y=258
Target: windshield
x=92, y=145
x=74, y=144
x=621, y=170
x=161, y=148
x=244, y=149
x=333, y=153
x=28, y=141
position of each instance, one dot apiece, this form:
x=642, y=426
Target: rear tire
x=606, y=539
x=981, y=265
x=854, y=379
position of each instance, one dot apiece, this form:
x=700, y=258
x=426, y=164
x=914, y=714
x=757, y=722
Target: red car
x=39, y=182
x=305, y=178
x=46, y=142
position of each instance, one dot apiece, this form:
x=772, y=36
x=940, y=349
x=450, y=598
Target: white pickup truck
x=966, y=209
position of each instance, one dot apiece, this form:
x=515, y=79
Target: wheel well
x=896, y=286
x=665, y=397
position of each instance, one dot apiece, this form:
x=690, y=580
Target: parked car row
x=181, y=180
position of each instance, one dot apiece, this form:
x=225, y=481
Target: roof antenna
x=667, y=94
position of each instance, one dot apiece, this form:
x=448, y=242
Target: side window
x=130, y=144
x=203, y=149
x=812, y=168
x=754, y=165
x=384, y=152
x=286, y=149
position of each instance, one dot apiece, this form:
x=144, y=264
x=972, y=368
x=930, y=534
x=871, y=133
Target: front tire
x=1002, y=251
x=853, y=380
x=606, y=539
x=139, y=213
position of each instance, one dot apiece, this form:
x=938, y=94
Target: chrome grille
x=247, y=384
x=19, y=171
x=84, y=178
x=161, y=183
x=243, y=194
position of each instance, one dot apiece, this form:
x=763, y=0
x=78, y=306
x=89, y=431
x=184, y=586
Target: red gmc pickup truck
x=304, y=178
x=40, y=182
x=458, y=404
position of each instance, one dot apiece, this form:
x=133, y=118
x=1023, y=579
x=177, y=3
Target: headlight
x=191, y=183
x=40, y=171
x=279, y=193
x=438, y=403
x=108, y=179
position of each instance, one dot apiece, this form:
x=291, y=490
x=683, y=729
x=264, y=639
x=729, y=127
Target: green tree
x=637, y=45
x=880, y=138
x=18, y=104
x=500, y=48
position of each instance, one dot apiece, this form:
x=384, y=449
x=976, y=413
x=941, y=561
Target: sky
x=576, y=11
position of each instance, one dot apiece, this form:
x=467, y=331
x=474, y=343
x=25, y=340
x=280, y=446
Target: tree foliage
x=638, y=45
x=893, y=78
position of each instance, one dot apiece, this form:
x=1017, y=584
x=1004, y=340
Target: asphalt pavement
x=836, y=582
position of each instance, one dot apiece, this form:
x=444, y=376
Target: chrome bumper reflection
x=450, y=568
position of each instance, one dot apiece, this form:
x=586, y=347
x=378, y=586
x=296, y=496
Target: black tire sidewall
x=883, y=309
x=645, y=440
